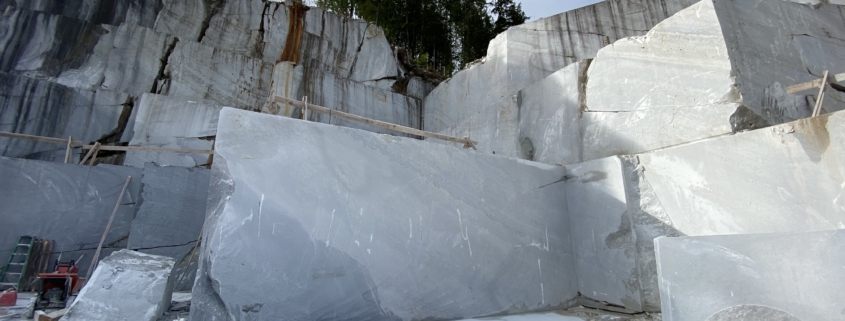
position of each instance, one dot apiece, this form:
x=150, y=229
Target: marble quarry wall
x=71, y=204
x=701, y=73
x=785, y=178
x=527, y=53
x=106, y=56
x=343, y=94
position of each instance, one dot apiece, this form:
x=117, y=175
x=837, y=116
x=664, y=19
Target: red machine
x=55, y=288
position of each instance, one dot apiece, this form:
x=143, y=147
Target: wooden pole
x=817, y=109
x=106, y=232
x=69, y=150
x=77, y=143
x=402, y=129
x=813, y=84
x=90, y=153
x=96, y=150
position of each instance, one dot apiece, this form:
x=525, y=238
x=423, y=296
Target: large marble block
x=327, y=90
x=38, y=107
x=527, y=53
x=602, y=236
x=227, y=78
x=755, y=277
x=126, y=285
x=172, y=122
x=786, y=178
x=68, y=203
x=350, y=224
x=671, y=86
x=170, y=213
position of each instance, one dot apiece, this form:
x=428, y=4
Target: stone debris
x=126, y=285
x=786, y=276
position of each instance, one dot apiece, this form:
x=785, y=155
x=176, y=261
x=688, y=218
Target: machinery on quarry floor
x=55, y=288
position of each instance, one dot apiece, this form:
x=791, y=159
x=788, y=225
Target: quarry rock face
x=68, y=203
x=126, y=285
x=43, y=108
x=170, y=122
x=752, y=276
x=527, y=53
x=169, y=217
x=393, y=228
x=692, y=76
x=327, y=90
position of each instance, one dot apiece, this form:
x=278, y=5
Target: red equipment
x=8, y=298
x=55, y=288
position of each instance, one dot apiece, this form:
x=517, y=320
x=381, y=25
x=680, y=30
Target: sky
x=537, y=9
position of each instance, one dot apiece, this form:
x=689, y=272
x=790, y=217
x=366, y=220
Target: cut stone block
x=172, y=122
x=327, y=90
x=353, y=224
x=549, y=113
x=602, y=236
x=37, y=107
x=126, y=285
x=786, y=178
x=527, y=53
x=68, y=203
x=202, y=72
x=530, y=317
x=170, y=214
x=795, y=276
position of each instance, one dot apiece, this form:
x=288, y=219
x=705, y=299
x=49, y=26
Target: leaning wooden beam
x=408, y=130
x=77, y=143
x=813, y=84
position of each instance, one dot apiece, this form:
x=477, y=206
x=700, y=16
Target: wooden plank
x=822, y=86
x=77, y=143
x=90, y=152
x=69, y=150
x=106, y=232
x=813, y=84
x=402, y=129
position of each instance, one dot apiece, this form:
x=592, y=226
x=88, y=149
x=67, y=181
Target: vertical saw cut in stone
x=311, y=221
x=171, y=122
x=126, y=285
x=602, y=237
x=752, y=277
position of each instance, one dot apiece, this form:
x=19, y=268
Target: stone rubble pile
x=647, y=159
